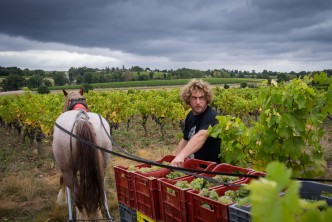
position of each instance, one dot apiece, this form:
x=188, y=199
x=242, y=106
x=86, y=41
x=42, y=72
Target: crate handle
x=142, y=182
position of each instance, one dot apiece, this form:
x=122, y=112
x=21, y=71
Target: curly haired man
x=196, y=143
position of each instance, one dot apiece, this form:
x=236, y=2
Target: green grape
x=204, y=192
x=166, y=163
x=230, y=193
x=209, y=184
x=225, y=179
x=213, y=195
x=197, y=184
x=175, y=174
x=169, y=190
x=182, y=184
x=149, y=169
x=205, y=205
x=132, y=168
x=225, y=200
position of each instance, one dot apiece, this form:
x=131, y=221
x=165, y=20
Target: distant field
x=156, y=83
x=151, y=84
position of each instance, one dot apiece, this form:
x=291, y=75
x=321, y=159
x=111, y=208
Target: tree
x=127, y=76
x=72, y=73
x=136, y=69
x=87, y=87
x=283, y=77
x=43, y=90
x=143, y=76
x=13, y=82
x=243, y=85
x=47, y=83
x=35, y=81
x=87, y=77
x=151, y=74
x=59, y=78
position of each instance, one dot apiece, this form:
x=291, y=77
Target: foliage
x=13, y=82
x=243, y=85
x=269, y=204
x=288, y=129
x=43, y=89
x=87, y=87
x=59, y=78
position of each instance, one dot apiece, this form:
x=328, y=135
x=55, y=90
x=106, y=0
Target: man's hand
x=178, y=161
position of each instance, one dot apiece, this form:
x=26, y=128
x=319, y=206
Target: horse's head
x=75, y=100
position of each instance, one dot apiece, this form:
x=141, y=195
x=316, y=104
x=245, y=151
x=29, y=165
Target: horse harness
x=78, y=103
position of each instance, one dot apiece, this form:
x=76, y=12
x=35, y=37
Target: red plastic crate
x=196, y=164
x=125, y=184
x=227, y=168
x=146, y=192
x=146, y=187
x=218, y=211
x=173, y=206
x=199, y=164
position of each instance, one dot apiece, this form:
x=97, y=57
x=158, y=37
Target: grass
x=29, y=184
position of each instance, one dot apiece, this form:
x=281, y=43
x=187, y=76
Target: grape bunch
x=196, y=184
x=234, y=195
x=229, y=197
x=175, y=174
x=143, y=169
x=225, y=179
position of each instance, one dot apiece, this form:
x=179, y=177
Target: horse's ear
x=64, y=92
x=81, y=91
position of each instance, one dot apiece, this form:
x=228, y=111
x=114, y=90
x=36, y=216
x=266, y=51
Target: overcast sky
x=277, y=35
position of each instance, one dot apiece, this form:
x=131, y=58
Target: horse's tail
x=91, y=172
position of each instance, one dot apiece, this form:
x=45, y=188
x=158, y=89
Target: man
x=196, y=142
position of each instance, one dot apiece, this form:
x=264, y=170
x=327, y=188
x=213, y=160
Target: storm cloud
x=277, y=35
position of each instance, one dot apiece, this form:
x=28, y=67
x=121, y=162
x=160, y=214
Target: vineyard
x=283, y=122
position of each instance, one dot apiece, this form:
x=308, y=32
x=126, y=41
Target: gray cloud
x=172, y=34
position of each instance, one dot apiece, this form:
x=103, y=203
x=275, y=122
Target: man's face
x=198, y=102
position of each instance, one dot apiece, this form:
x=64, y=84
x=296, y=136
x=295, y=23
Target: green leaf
x=312, y=215
x=266, y=204
x=279, y=173
x=327, y=215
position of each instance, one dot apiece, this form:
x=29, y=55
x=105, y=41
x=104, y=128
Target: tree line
x=15, y=78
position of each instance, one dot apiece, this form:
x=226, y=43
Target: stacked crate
x=174, y=201
x=139, y=191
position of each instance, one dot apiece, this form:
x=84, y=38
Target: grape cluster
x=225, y=179
x=229, y=197
x=175, y=174
x=196, y=184
x=143, y=169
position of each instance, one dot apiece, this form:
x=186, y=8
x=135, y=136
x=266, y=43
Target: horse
x=82, y=166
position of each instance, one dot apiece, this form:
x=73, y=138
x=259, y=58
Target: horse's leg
x=105, y=202
x=62, y=198
x=66, y=180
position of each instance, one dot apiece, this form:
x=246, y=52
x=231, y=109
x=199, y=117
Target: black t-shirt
x=193, y=123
